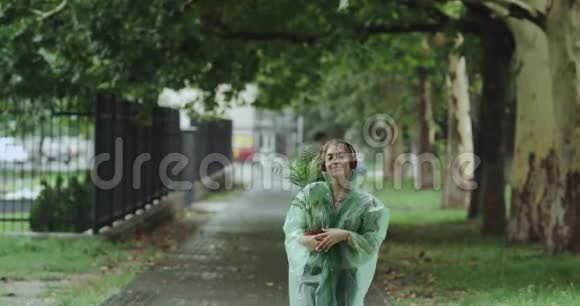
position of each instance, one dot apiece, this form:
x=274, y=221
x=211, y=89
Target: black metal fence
x=130, y=177
x=45, y=178
x=208, y=147
x=45, y=153
x=213, y=139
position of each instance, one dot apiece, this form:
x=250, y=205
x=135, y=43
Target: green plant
x=305, y=169
x=63, y=207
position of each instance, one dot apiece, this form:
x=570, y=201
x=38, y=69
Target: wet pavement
x=237, y=258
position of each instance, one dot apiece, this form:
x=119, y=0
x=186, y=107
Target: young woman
x=335, y=265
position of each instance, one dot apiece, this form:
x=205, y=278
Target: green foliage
x=316, y=120
x=32, y=118
x=435, y=257
x=305, y=169
x=454, y=8
x=64, y=207
x=378, y=76
x=130, y=48
x=134, y=49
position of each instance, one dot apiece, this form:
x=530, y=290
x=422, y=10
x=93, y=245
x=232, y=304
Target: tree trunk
x=38, y=161
x=533, y=145
x=475, y=202
x=459, y=168
x=563, y=28
x=546, y=178
x=497, y=46
x=426, y=141
x=507, y=147
x=390, y=154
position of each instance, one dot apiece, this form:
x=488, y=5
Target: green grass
x=108, y=266
x=96, y=290
x=435, y=257
x=224, y=196
x=33, y=258
x=14, y=226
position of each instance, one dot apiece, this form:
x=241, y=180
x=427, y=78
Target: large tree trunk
x=426, y=141
x=533, y=162
x=563, y=28
x=546, y=177
x=497, y=54
x=459, y=161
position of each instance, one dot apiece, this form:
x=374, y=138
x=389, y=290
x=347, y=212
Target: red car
x=244, y=154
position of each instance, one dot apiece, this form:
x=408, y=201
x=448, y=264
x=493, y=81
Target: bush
x=64, y=207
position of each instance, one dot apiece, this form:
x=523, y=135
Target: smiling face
x=337, y=159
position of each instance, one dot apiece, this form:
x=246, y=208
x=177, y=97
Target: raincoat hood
x=352, y=179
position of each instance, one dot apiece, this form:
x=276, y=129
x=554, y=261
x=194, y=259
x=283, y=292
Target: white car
x=12, y=152
x=62, y=149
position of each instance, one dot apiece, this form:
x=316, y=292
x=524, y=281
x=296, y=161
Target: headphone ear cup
x=353, y=164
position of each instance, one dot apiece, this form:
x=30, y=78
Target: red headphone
x=352, y=163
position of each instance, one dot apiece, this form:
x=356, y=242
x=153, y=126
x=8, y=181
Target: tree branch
x=420, y=28
x=441, y=21
x=43, y=15
x=440, y=15
x=373, y=29
x=513, y=8
x=293, y=37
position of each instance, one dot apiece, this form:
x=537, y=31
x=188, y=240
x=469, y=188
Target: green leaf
x=305, y=169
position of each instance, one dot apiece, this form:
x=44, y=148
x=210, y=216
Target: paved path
x=237, y=258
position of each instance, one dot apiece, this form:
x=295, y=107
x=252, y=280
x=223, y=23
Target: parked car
x=62, y=149
x=244, y=154
x=243, y=148
x=11, y=151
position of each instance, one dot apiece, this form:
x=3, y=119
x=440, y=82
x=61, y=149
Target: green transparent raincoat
x=341, y=276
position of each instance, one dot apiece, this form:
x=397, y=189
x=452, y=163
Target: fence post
x=112, y=119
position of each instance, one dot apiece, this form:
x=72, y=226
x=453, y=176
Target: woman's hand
x=310, y=242
x=329, y=238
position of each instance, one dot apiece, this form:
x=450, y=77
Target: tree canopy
x=54, y=49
